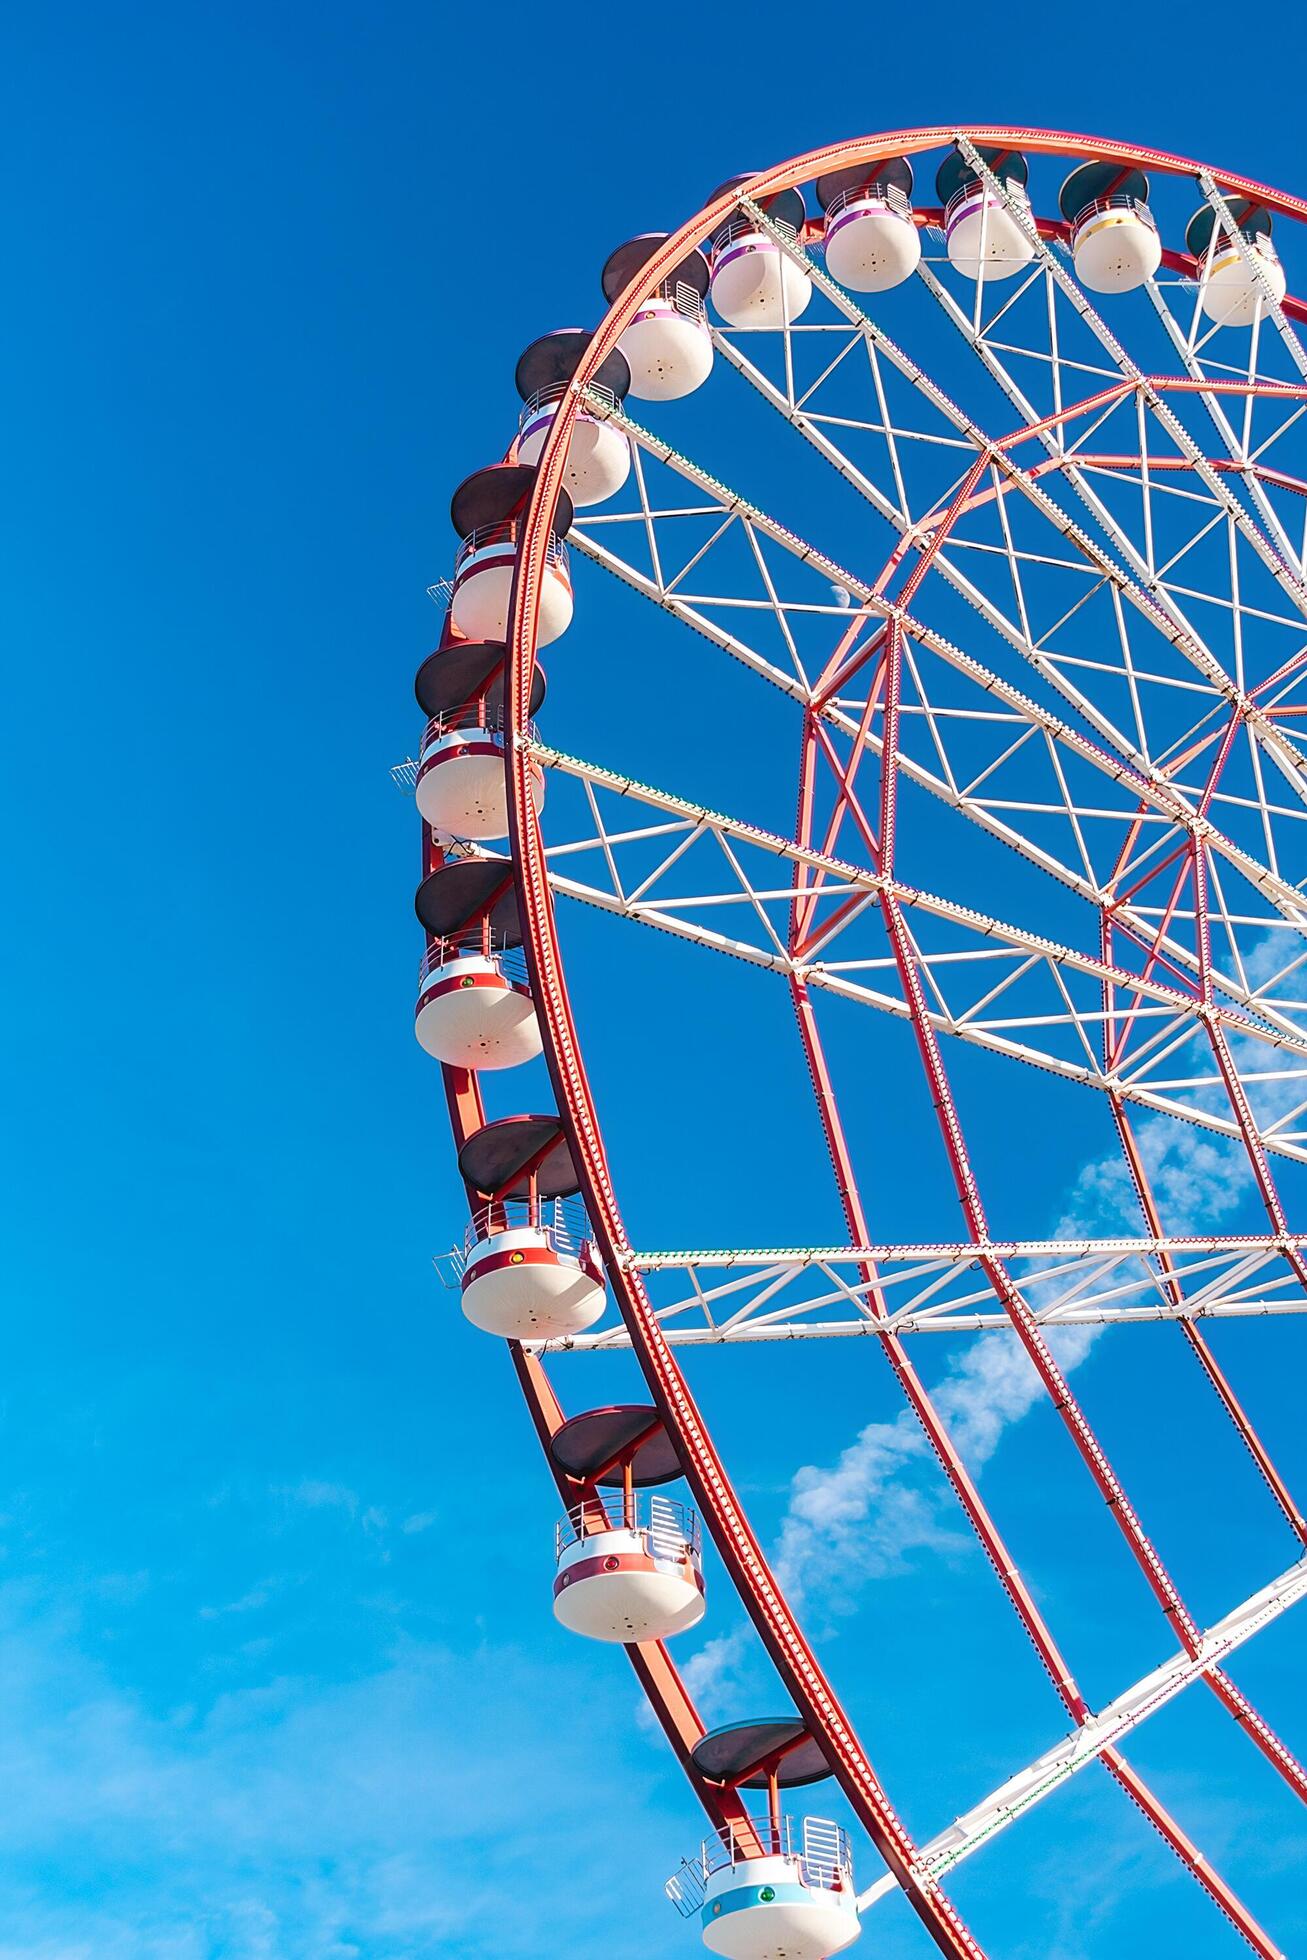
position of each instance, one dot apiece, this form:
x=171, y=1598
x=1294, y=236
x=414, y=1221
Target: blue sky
x=278, y=1678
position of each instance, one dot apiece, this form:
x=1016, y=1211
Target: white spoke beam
x=841, y=879
x=1084, y=1745
x=1132, y=777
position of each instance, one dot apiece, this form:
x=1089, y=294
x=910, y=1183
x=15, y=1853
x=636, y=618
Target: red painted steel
x=740, y=1551
x=1032, y=1620
x=1007, y=1293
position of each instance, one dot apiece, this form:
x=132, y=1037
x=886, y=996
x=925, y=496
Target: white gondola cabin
x=474, y=1006
x=1115, y=244
x=754, y=281
x=768, y=1887
x=628, y=1560
x=1238, y=275
x=530, y=1271
x=598, y=454
x=667, y=346
x=461, y=788
x=487, y=510
x=983, y=229
x=872, y=241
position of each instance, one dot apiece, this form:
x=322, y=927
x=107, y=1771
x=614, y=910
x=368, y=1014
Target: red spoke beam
x=1009, y=1295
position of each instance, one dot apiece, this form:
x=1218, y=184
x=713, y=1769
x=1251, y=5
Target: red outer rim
x=740, y=1552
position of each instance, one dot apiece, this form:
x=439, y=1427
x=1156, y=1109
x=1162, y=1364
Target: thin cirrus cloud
x=294, y=1821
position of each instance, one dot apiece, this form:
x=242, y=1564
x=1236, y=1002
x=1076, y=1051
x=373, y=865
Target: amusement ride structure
x=1058, y=392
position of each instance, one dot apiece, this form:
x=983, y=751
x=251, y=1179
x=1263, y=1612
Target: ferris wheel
x=978, y=456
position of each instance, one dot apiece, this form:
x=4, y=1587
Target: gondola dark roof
x=622, y=265
x=552, y=360
x=1253, y=220
x=454, y=675
x=896, y=172
x=732, y=1755
x=463, y=891
x=495, y=1160
x=498, y=492
x=588, y=1442
x=1089, y=183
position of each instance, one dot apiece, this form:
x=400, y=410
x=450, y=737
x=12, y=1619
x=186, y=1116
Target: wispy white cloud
x=248, y=1602
x=719, y=1675
x=315, y=1494
x=300, y=1820
x=859, y=1518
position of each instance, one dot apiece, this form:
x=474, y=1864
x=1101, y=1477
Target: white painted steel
x=823, y=1292
x=1083, y=1745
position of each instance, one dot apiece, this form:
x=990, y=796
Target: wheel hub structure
x=1009, y=548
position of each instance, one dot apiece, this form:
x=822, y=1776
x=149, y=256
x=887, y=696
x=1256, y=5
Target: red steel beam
x=986, y=1530
x=740, y=1552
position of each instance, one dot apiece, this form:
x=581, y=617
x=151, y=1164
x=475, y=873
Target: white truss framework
x=824, y=1292
x=994, y=984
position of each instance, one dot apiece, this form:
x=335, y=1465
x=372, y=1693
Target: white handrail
x=467, y=944
x=871, y=193
x=672, y=1527
x=1118, y=201
x=742, y=226
x=557, y=391
x=563, y=1221
x=976, y=186
x=818, y=1848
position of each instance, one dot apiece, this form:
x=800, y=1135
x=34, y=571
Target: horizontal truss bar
x=1275, y=1031
x=977, y=1323
x=874, y=883
x=964, y=1253
x=974, y=1323
x=1087, y=1282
